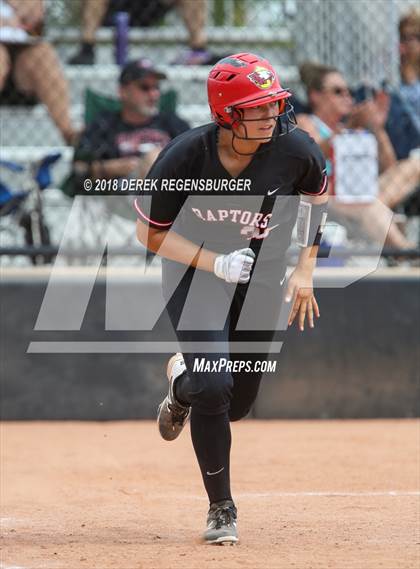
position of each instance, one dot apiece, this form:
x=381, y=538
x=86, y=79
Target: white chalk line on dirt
x=6, y=521
x=329, y=494
x=249, y=495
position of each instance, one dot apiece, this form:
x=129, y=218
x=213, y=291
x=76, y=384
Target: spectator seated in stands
x=125, y=143
x=333, y=114
x=409, y=29
x=145, y=13
x=29, y=67
x=403, y=123
x=402, y=126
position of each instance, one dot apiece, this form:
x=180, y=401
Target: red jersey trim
x=141, y=214
x=321, y=191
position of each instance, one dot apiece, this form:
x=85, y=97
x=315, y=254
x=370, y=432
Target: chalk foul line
x=325, y=494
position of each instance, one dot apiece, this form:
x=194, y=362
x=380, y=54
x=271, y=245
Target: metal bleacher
x=26, y=128
x=31, y=126
x=28, y=133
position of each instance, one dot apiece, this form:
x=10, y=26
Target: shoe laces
x=178, y=413
x=224, y=515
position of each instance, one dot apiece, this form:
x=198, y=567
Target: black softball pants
x=207, y=311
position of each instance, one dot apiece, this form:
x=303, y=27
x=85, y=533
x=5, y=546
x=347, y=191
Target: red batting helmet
x=242, y=81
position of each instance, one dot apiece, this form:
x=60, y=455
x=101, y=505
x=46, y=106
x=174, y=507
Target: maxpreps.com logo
x=262, y=77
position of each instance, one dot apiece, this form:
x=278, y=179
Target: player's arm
x=310, y=224
x=169, y=244
x=234, y=267
x=158, y=237
x=300, y=284
x=157, y=212
x=154, y=224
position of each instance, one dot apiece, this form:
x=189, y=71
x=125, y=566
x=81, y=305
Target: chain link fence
x=60, y=64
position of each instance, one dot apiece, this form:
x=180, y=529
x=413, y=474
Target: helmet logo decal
x=233, y=61
x=262, y=77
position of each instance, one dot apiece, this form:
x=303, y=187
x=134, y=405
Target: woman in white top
x=333, y=111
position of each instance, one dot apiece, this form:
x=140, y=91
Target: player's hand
x=235, y=267
x=300, y=291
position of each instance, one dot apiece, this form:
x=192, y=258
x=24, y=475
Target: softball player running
x=224, y=262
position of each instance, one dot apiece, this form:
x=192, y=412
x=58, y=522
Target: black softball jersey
x=192, y=193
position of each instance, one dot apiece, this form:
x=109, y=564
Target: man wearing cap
x=126, y=143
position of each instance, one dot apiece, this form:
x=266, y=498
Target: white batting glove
x=235, y=267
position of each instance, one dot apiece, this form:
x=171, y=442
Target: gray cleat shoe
x=221, y=523
x=172, y=416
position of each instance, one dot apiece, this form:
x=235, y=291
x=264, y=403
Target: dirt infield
x=310, y=494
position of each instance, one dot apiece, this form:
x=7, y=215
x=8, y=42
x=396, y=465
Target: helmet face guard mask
x=285, y=121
